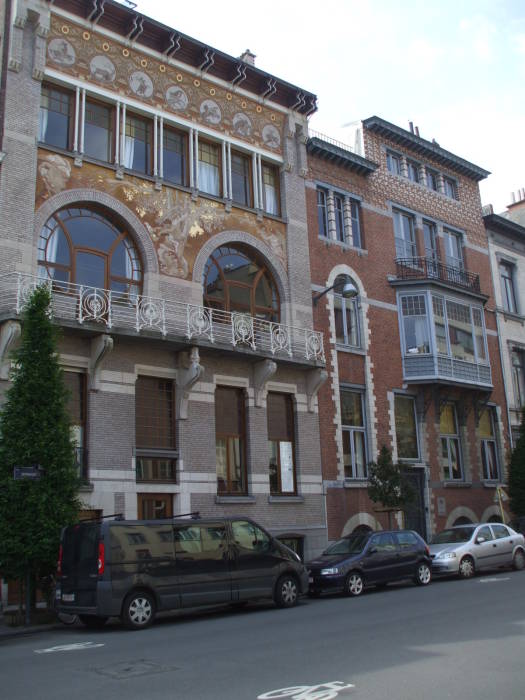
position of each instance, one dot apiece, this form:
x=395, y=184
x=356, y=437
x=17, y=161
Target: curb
x=7, y=632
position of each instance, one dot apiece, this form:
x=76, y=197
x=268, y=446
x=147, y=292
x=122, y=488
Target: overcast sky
x=456, y=68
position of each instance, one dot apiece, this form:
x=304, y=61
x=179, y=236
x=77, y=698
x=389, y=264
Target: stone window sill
x=457, y=484
x=285, y=499
x=356, y=483
x=234, y=499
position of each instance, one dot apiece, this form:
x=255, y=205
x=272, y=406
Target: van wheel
x=138, y=611
x=286, y=592
x=93, y=621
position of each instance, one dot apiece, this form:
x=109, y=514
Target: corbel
x=314, y=379
x=9, y=337
x=262, y=371
x=188, y=374
x=101, y=346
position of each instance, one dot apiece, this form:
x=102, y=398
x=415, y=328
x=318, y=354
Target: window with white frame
x=271, y=192
x=518, y=376
x=406, y=427
x=453, y=242
x=339, y=206
x=353, y=428
x=405, y=235
x=209, y=164
x=98, y=130
x=394, y=162
x=356, y=225
x=506, y=271
x=416, y=330
x=430, y=240
x=489, y=452
x=56, y=117
x=137, y=153
x=322, y=212
x=346, y=315
x=450, y=443
x=451, y=187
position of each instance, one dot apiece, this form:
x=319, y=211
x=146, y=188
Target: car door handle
x=494, y=545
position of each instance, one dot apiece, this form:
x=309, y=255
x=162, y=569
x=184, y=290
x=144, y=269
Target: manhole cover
x=132, y=669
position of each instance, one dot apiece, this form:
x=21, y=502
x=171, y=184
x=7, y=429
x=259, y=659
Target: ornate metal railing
x=118, y=310
x=427, y=268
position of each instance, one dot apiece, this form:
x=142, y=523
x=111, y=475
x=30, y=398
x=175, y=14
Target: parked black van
x=133, y=569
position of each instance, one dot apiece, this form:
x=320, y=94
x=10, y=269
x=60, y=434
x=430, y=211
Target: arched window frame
x=348, y=334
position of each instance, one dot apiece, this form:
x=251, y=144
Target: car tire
x=138, y=611
x=354, y=584
x=518, y=560
x=467, y=568
x=286, y=591
x=93, y=622
x=423, y=574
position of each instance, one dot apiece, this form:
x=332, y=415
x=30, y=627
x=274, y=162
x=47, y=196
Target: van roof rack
x=117, y=516
x=195, y=515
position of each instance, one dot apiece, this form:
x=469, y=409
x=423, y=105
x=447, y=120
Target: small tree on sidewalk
x=386, y=484
x=34, y=430
x=516, y=488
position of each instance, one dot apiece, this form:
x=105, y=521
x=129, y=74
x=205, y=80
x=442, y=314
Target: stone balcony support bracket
x=314, y=380
x=9, y=337
x=262, y=372
x=101, y=346
x=188, y=374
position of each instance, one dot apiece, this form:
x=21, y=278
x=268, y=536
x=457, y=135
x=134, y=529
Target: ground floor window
x=230, y=441
x=450, y=443
x=281, y=444
x=354, y=434
x=489, y=453
x=153, y=506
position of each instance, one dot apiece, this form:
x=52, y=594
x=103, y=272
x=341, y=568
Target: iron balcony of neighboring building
x=95, y=309
x=420, y=268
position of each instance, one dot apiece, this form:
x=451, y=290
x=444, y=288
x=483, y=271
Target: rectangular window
x=460, y=331
x=137, y=144
x=406, y=427
x=241, y=179
x=451, y=187
x=518, y=376
x=339, y=205
x=155, y=429
x=356, y=225
x=152, y=506
x=506, y=271
x=346, y=321
x=440, y=325
x=394, y=163
x=429, y=236
x=432, y=179
x=230, y=441
x=450, y=443
x=174, y=149
x=404, y=234
x=75, y=383
x=413, y=170
x=55, y=117
x=453, y=243
x=489, y=453
x=354, y=434
x=322, y=213
x=271, y=191
x=98, y=131
x=415, y=324
x=209, y=168
x=281, y=452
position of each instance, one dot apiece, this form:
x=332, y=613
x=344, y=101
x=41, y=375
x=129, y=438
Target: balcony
x=92, y=307
x=428, y=269
x=426, y=368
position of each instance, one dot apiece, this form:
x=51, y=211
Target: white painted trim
x=228, y=380
x=154, y=371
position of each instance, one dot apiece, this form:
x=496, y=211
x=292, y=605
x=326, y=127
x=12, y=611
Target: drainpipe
x=5, y=59
x=504, y=378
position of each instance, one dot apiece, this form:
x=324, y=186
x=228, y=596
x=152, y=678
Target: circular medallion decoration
x=60, y=51
x=212, y=91
x=242, y=126
x=258, y=109
x=197, y=83
x=176, y=97
x=271, y=136
x=125, y=53
x=144, y=63
x=179, y=78
x=86, y=36
x=65, y=29
x=229, y=96
x=210, y=112
x=105, y=46
x=162, y=68
x=102, y=69
x=141, y=84
x=272, y=117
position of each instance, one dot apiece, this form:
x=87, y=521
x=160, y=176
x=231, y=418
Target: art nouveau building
x=157, y=186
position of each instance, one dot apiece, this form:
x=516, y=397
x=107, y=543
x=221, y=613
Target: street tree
x=35, y=432
x=516, y=470
x=386, y=485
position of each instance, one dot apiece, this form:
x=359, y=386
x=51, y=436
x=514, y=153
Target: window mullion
x=123, y=135
x=82, y=120
x=196, y=174
x=260, y=179
x=161, y=149
x=227, y=187
x=77, y=115
x=225, y=179
x=155, y=145
x=117, y=134
x=256, y=203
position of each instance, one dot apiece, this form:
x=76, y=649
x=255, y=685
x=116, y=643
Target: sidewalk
x=8, y=631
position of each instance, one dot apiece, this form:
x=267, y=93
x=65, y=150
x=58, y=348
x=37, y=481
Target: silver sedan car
x=465, y=549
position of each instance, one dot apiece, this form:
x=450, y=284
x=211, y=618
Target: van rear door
x=79, y=564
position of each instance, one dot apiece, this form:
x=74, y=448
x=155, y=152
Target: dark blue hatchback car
x=370, y=558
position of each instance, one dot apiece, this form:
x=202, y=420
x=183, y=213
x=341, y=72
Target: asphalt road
x=452, y=639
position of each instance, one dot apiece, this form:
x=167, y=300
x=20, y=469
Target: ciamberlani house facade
x=413, y=359
x=156, y=185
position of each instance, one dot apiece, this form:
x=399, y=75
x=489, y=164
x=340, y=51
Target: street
x=452, y=639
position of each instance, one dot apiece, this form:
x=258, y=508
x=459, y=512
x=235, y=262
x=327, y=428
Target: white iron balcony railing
x=135, y=312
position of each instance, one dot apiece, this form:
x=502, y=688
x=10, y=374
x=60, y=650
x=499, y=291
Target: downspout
x=5, y=59
x=504, y=379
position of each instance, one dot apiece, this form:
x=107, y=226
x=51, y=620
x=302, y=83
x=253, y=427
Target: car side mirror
x=373, y=550
x=480, y=539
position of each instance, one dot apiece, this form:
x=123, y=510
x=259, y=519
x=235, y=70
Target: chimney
x=248, y=57
x=411, y=125
x=417, y=130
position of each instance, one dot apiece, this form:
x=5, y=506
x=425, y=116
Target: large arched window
x=237, y=279
x=81, y=246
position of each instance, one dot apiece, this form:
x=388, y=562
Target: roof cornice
x=340, y=156
x=503, y=225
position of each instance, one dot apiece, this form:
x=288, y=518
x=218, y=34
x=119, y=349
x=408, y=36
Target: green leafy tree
x=35, y=430
x=386, y=484
x=516, y=488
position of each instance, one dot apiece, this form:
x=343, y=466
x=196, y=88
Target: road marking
x=323, y=691
x=69, y=647
x=494, y=579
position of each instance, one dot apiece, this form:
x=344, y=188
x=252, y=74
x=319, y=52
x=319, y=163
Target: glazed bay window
x=230, y=441
x=406, y=427
x=489, y=453
x=404, y=234
x=209, y=165
x=241, y=179
x=394, y=162
x=416, y=329
x=281, y=429
x=174, y=148
x=346, y=316
x=450, y=443
x=155, y=452
x=506, y=271
x=75, y=383
x=354, y=434
x=322, y=212
x=518, y=376
x=271, y=191
x=98, y=131
x=137, y=144
x=56, y=117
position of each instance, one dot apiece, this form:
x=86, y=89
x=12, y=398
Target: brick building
x=413, y=359
x=157, y=186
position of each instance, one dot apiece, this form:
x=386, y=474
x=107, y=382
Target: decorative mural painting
x=178, y=226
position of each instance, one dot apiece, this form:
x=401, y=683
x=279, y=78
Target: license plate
x=310, y=579
x=68, y=597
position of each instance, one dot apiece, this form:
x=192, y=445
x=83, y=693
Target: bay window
x=281, y=449
x=415, y=324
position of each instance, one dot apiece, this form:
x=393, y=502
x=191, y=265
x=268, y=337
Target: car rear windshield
x=80, y=548
x=453, y=535
x=348, y=545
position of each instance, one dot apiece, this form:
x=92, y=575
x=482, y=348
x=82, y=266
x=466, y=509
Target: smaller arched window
x=82, y=246
x=237, y=279
x=346, y=312
x=462, y=520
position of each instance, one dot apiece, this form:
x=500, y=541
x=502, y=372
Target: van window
x=136, y=542
x=249, y=536
x=80, y=548
x=200, y=541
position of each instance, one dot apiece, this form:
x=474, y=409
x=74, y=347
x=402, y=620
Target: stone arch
x=461, y=512
x=360, y=519
x=136, y=228
x=491, y=511
x=276, y=267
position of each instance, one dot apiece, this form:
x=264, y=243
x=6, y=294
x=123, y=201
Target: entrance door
x=414, y=512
